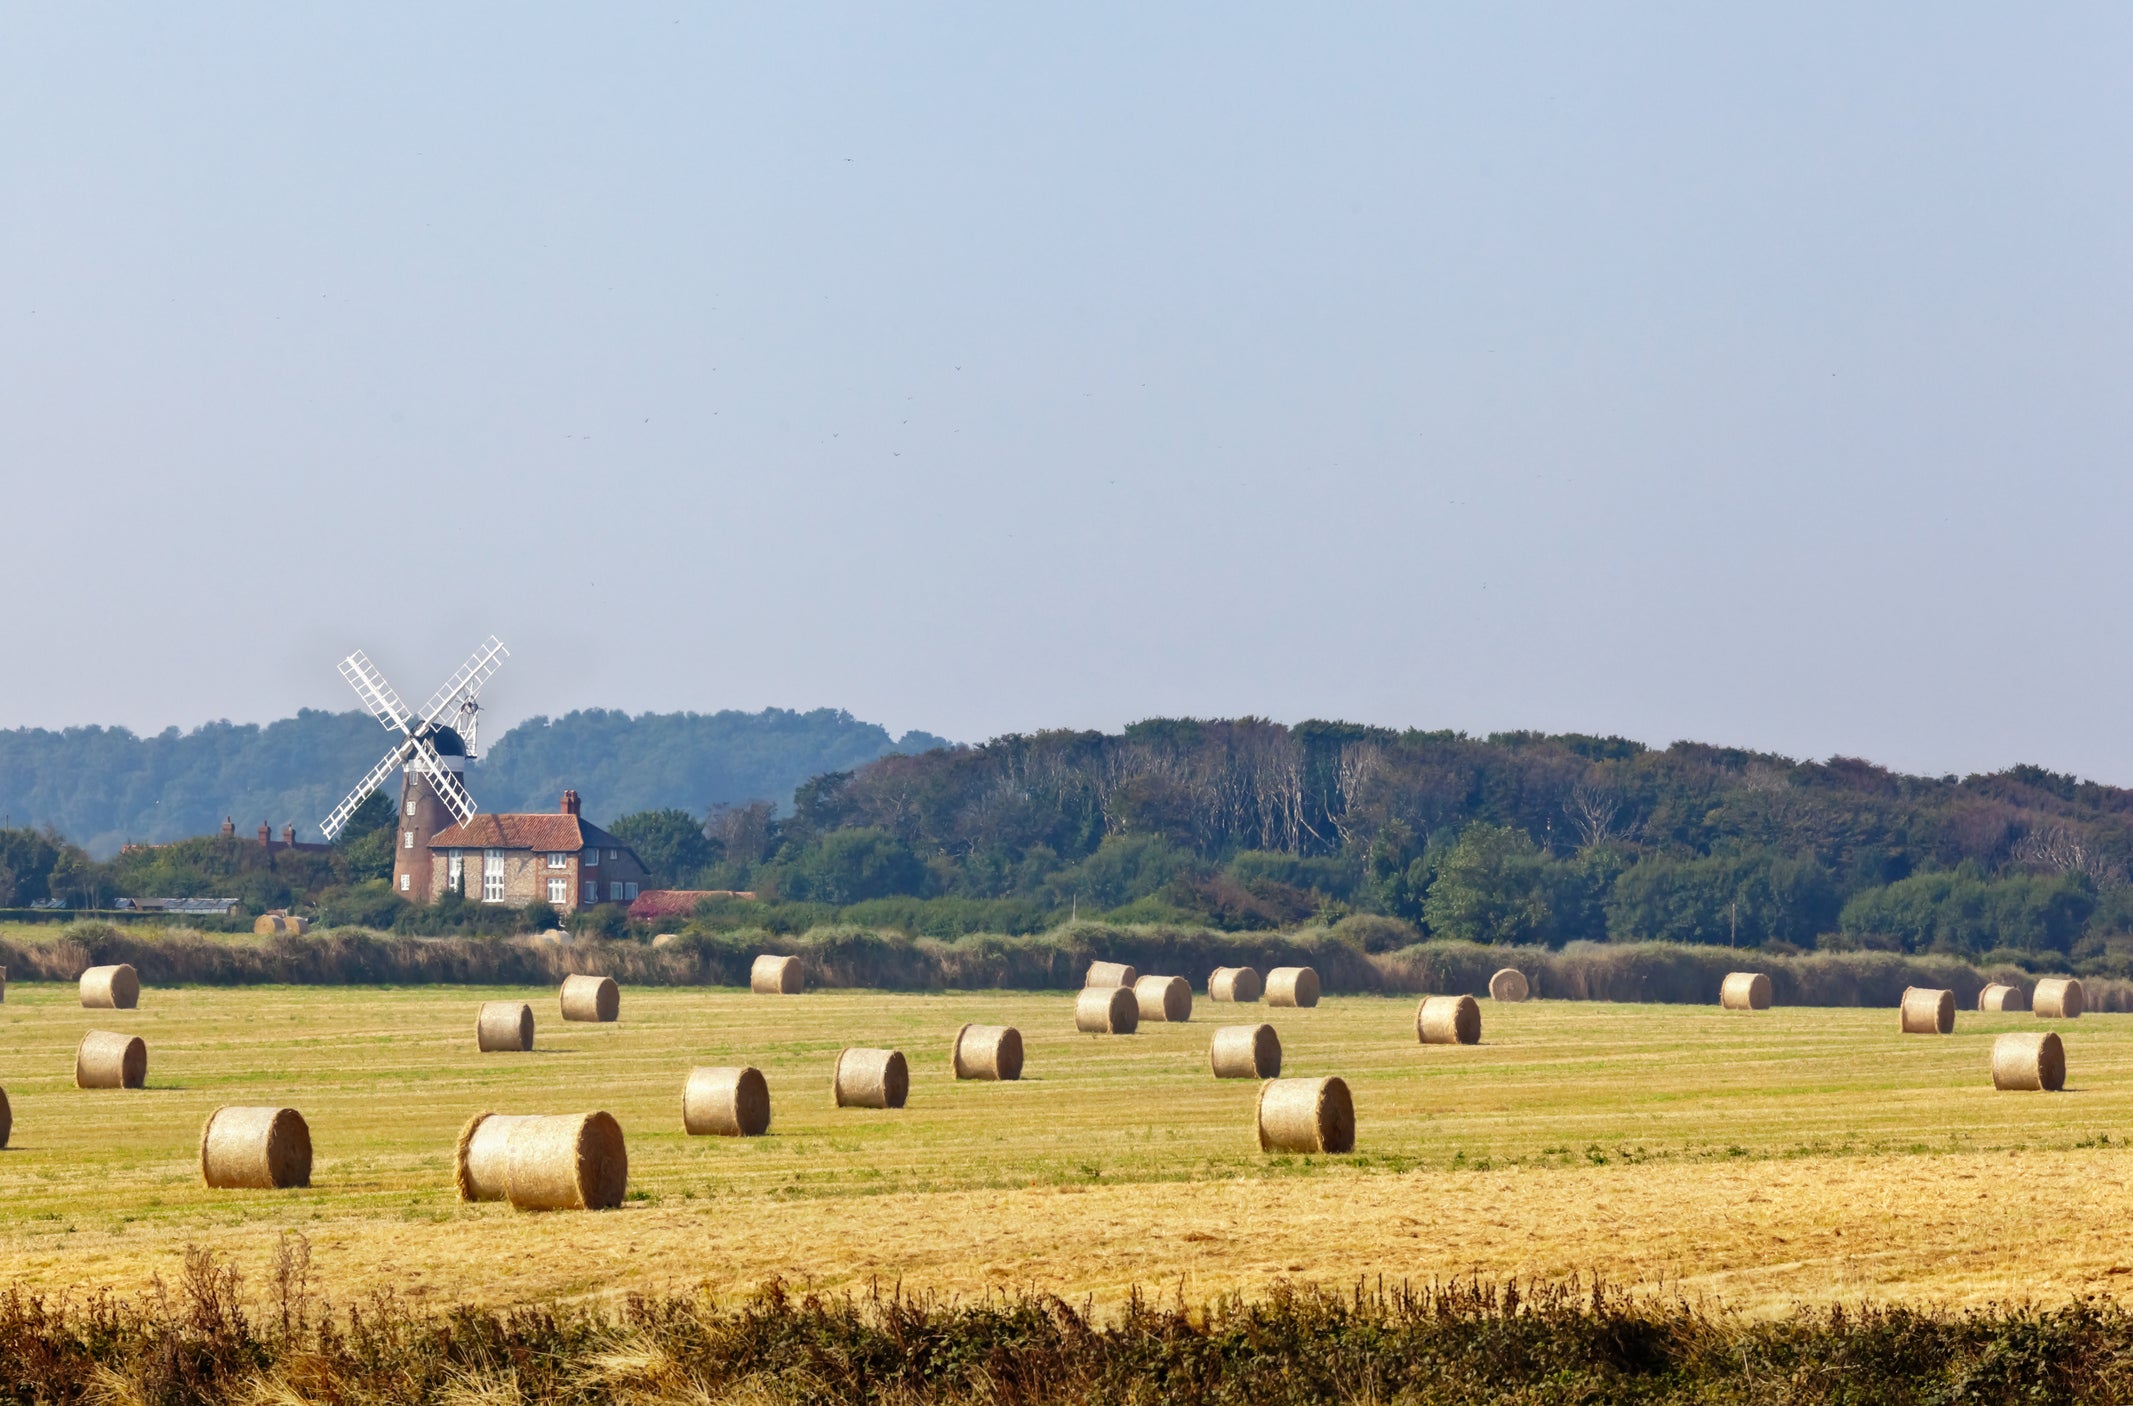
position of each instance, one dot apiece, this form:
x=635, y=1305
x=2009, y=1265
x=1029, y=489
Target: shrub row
x=1056, y=960
x=206, y=1341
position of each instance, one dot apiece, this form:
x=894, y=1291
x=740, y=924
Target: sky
x=1748, y=374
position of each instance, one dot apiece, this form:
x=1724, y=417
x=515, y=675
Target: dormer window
x=557, y=859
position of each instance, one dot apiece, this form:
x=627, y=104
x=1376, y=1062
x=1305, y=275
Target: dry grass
x=1807, y=1154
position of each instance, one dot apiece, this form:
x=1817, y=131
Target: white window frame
x=557, y=859
x=410, y=807
x=403, y=883
x=592, y=858
x=492, y=876
x=592, y=890
x=629, y=893
x=614, y=890
x=558, y=892
x=407, y=839
x=455, y=873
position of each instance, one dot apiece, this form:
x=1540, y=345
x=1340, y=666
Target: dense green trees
x=1245, y=824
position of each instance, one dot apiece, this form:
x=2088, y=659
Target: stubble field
x=1792, y=1155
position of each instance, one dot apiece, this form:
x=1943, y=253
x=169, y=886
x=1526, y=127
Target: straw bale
x=1448, y=1020
x=870, y=1079
x=1164, y=998
x=1110, y=974
x=504, y=1026
x=2058, y=998
x=666, y=939
x=776, y=976
x=106, y=1059
x=479, y=1163
x=7, y=1118
x=267, y=925
x=987, y=1052
x=1509, y=985
x=725, y=1102
x=1999, y=996
x=261, y=1148
x=1306, y=1115
x=593, y=998
x=568, y=1162
x=2032, y=1060
x=1245, y=1052
x=1745, y=991
x=554, y=937
x=1925, y=1011
x=1241, y=984
x=1292, y=986
x=1107, y=1010
x=116, y=988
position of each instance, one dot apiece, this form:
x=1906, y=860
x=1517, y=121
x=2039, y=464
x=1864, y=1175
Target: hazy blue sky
x=1666, y=370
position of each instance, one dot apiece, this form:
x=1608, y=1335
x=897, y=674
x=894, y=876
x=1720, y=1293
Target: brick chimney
x=570, y=803
x=288, y=836
x=266, y=832
x=229, y=826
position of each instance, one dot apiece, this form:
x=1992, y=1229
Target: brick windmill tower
x=431, y=757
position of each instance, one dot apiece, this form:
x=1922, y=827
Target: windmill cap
x=447, y=742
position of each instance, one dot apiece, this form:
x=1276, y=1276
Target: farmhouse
x=515, y=860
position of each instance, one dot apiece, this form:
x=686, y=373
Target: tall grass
x=205, y=1340
x=1055, y=960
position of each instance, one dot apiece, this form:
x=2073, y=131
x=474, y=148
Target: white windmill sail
x=416, y=749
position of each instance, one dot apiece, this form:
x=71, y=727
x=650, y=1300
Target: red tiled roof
x=676, y=903
x=535, y=832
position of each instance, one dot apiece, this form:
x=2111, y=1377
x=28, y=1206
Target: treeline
x=208, y=1338
x=105, y=786
x=1250, y=826
x=1514, y=838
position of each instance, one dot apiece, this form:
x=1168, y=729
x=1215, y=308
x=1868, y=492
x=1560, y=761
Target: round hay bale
x=1107, y=1010
x=776, y=976
x=106, y=1059
x=594, y=998
x=1241, y=984
x=7, y=1119
x=268, y=925
x=2058, y=998
x=1110, y=974
x=1245, y=1052
x=1292, y=986
x=1164, y=998
x=504, y=1026
x=1745, y=991
x=870, y=1079
x=554, y=937
x=1448, y=1020
x=570, y=1162
x=725, y=1102
x=666, y=939
x=2033, y=1060
x=479, y=1164
x=1999, y=996
x=265, y=1149
x=1509, y=985
x=1306, y=1115
x=116, y=988
x=987, y=1052
x=1926, y=1011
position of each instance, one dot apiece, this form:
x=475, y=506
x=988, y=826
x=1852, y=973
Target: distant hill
x=101, y=787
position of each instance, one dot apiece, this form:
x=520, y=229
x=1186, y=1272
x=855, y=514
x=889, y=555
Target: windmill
x=431, y=756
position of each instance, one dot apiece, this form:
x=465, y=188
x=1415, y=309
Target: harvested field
x=1809, y=1154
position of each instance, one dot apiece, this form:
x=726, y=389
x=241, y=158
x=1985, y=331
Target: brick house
x=514, y=860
